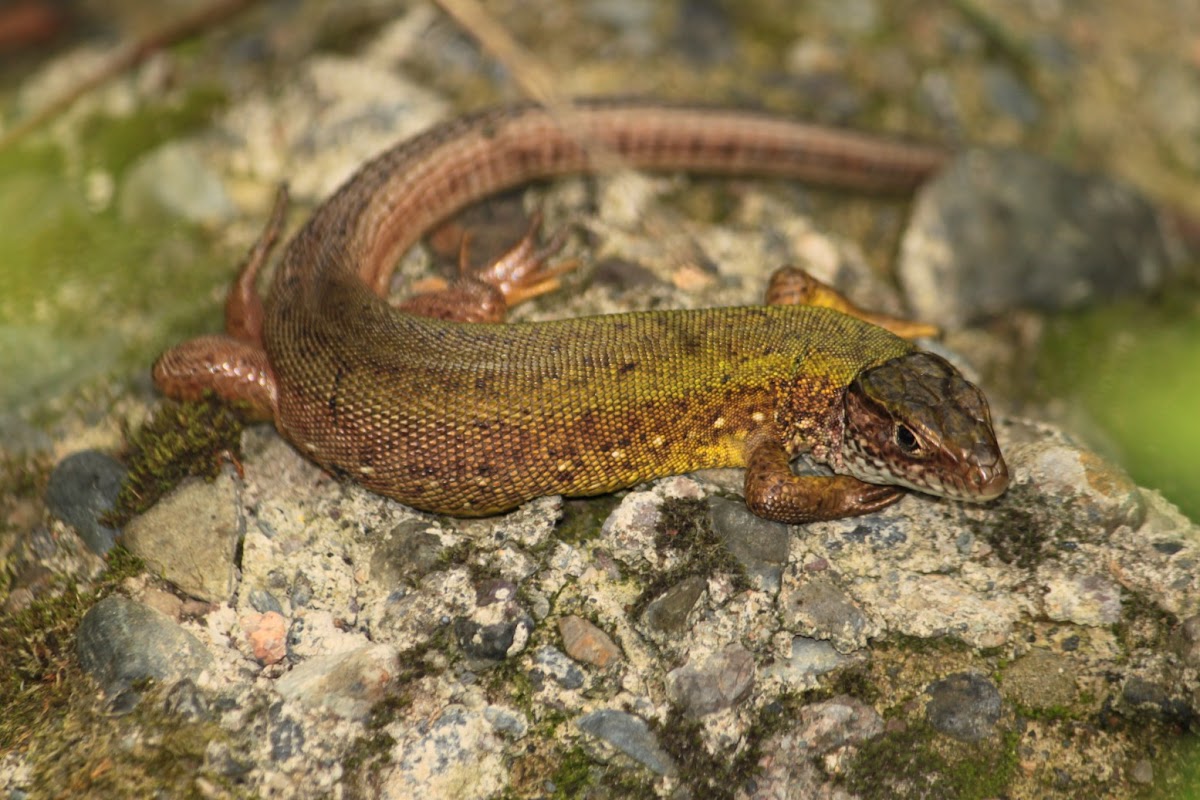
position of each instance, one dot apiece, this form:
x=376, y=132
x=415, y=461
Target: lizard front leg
x=774, y=492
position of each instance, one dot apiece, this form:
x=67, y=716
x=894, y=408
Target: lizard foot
x=794, y=286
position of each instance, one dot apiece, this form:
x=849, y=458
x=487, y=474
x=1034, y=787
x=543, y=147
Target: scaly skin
x=472, y=419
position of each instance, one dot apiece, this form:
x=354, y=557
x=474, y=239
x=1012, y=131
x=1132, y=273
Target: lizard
x=443, y=406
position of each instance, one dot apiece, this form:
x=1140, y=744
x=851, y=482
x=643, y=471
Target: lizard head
x=915, y=421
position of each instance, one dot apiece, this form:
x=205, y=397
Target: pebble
x=629, y=734
x=997, y=230
x=82, y=488
x=407, y=553
x=348, y=684
x=584, y=642
x=808, y=658
x=668, y=613
x=965, y=706
x=267, y=634
x=121, y=642
x=554, y=663
x=1088, y=599
x=820, y=609
x=190, y=537
x=720, y=681
x=760, y=545
x=175, y=178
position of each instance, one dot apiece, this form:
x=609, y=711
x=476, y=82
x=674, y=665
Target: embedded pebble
x=759, y=544
x=190, y=537
x=555, y=663
x=347, y=684
x=82, y=488
x=629, y=734
x=721, y=681
x=965, y=706
x=668, y=613
x=1088, y=599
x=267, y=634
x=820, y=609
x=121, y=642
x=407, y=553
x=584, y=642
x=807, y=658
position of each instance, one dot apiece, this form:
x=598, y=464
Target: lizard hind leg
x=485, y=295
x=794, y=286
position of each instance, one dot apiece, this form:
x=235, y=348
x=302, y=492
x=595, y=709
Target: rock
x=997, y=230
x=348, y=684
x=407, y=553
x=964, y=706
x=1041, y=681
x=498, y=627
x=668, y=613
x=174, y=178
x=267, y=634
x=584, y=642
x=455, y=755
x=721, y=681
x=82, y=488
x=1083, y=599
x=760, y=545
x=820, y=609
x=809, y=658
x=629, y=734
x=190, y=537
x=554, y=663
x=121, y=642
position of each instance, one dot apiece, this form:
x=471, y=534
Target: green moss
x=180, y=440
x=115, y=142
x=1024, y=528
x=685, y=527
x=1144, y=625
x=38, y=670
x=582, y=519
x=918, y=762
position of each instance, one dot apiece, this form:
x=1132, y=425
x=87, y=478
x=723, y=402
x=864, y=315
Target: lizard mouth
x=915, y=421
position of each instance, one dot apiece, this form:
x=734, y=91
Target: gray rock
x=554, y=663
x=809, y=658
x=629, y=734
x=407, y=553
x=760, y=545
x=821, y=609
x=719, y=682
x=965, y=706
x=998, y=230
x=121, y=642
x=82, y=488
x=505, y=721
x=174, y=178
x=1010, y=96
x=348, y=684
x=668, y=612
x=190, y=537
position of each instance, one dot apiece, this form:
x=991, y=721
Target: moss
x=917, y=762
x=180, y=440
x=684, y=526
x=1144, y=624
x=116, y=142
x=1024, y=528
x=582, y=518
x=38, y=668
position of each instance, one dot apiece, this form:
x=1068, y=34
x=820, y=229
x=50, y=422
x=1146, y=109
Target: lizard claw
x=524, y=271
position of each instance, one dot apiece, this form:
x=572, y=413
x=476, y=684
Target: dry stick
x=134, y=54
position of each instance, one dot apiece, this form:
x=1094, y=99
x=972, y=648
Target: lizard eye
x=905, y=439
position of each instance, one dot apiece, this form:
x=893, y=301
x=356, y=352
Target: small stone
x=820, y=609
x=1083, y=599
x=190, y=537
x=964, y=706
x=809, y=657
x=409, y=552
x=82, y=488
x=584, y=642
x=506, y=721
x=121, y=642
x=347, y=683
x=267, y=634
x=836, y=722
x=263, y=601
x=1142, y=772
x=760, y=545
x=629, y=734
x=1187, y=641
x=553, y=662
x=668, y=612
x=174, y=178
x=492, y=642
x=719, y=682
